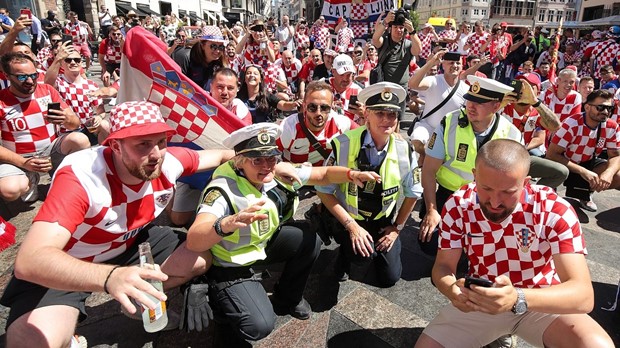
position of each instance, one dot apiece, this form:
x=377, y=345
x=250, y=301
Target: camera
x=401, y=15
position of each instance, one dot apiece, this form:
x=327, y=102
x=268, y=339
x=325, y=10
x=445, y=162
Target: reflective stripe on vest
x=247, y=244
x=348, y=146
x=461, y=148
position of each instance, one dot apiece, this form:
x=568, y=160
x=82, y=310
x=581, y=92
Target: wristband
x=105, y=283
x=349, y=175
x=537, y=104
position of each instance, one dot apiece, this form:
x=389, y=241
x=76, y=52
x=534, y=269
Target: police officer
x=452, y=148
x=243, y=221
x=368, y=223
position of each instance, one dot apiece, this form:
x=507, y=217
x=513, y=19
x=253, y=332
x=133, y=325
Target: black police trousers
x=241, y=299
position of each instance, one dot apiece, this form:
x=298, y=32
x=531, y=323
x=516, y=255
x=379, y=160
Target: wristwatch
x=520, y=307
x=217, y=225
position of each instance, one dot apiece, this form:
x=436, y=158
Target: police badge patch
x=331, y=161
x=461, y=154
x=263, y=225
x=431, y=141
x=211, y=197
x=263, y=137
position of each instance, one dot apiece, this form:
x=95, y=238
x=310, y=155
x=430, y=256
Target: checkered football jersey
x=23, y=124
x=573, y=59
x=580, y=141
x=76, y=95
x=111, y=53
x=103, y=214
x=321, y=35
x=450, y=35
x=44, y=54
x=344, y=39
x=273, y=73
x=563, y=108
x=604, y=53
x=520, y=247
x=237, y=64
x=527, y=124
x=302, y=39
x=476, y=41
x=78, y=32
x=296, y=148
x=292, y=72
x=344, y=97
x=253, y=56
x=426, y=43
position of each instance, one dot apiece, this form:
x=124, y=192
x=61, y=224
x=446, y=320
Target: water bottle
x=153, y=319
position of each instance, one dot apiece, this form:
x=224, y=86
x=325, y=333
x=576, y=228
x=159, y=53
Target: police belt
x=221, y=278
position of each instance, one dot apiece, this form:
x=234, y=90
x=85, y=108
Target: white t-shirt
x=437, y=91
x=283, y=36
x=462, y=40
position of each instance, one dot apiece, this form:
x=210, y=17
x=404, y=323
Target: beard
x=495, y=217
x=141, y=172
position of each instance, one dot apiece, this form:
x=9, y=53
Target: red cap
x=136, y=118
x=532, y=79
x=503, y=24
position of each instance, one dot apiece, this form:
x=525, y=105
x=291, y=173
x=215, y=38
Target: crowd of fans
x=557, y=95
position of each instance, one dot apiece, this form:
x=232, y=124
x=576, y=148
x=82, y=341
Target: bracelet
x=105, y=283
x=349, y=175
x=537, y=104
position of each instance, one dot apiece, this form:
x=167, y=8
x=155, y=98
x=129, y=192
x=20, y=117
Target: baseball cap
x=503, y=24
x=597, y=34
x=136, y=118
x=343, y=64
x=614, y=31
x=531, y=78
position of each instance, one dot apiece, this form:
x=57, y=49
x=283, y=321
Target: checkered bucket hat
x=136, y=118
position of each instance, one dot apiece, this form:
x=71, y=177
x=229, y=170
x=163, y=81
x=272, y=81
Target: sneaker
x=78, y=341
x=33, y=187
x=301, y=311
x=588, y=205
x=342, y=268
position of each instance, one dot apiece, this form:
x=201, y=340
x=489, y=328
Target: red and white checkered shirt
x=527, y=124
x=307, y=71
x=78, y=32
x=604, y=53
x=237, y=64
x=24, y=127
x=563, y=108
x=272, y=74
x=344, y=39
x=476, y=41
x=302, y=39
x=103, y=214
x=426, y=45
x=292, y=72
x=573, y=59
x=76, y=95
x=580, y=142
x=344, y=97
x=111, y=53
x=450, y=35
x=253, y=56
x=321, y=35
x=45, y=54
x=520, y=247
x=296, y=147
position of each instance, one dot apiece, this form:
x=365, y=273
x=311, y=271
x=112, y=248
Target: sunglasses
x=55, y=41
x=257, y=28
x=216, y=47
x=24, y=77
x=602, y=108
x=314, y=107
x=117, y=34
x=74, y=60
x=358, y=53
x=261, y=161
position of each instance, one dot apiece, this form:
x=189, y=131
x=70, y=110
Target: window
x=476, y=12
x=529, y=10
x=519, y=8
x=550, y=15
x=558, y=17
x=484, y=13
x=236, y=4
x=541, y=15
x=508, y=8
x=464, y=12
x=496, y=6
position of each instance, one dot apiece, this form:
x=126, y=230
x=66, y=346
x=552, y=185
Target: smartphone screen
x=26, y=12
x=53, y=106
x=517, y=85
x=477, y=281
x=353, y=100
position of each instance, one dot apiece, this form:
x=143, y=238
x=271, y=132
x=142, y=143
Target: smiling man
x=562, y=98
x=224, y=90
x=85, y=237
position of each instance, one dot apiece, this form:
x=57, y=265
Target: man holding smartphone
x=29, y=127
x=526, y=240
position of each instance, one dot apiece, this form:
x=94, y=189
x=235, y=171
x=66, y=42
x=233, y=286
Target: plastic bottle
x=153, y=319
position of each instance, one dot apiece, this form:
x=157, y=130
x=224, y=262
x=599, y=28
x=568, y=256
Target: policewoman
x=452, y=148
x=369, y=222
x=243, y=221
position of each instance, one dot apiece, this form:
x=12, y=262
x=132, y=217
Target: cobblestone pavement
x=353, y=313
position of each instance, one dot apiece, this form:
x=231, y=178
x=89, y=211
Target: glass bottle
x=153, y=319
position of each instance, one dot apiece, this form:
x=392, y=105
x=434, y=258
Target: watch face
x=520, y=307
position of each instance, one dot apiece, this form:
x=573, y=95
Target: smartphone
x=67, y=38
x=353, y=100
x=477, y=281
x=53, y=106
x=517, y=85
x=26, y=12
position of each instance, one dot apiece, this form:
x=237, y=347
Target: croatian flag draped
x=148, y=73
x=362, y=13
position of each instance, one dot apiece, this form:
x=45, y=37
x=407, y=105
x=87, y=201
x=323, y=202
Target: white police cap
x=484, y=90
x=255, y=140
x=383, y=96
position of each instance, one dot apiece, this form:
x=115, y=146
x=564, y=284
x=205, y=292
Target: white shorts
x=453, y=328
x=421, y=132
x=185, y=198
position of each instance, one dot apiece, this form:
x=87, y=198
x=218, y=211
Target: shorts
x=421, y=132
x=185, y=198
x=453, y=328
x=23, y=296
x=578, y=187
x=7, y=170
x=83, y=49
x=52, y=150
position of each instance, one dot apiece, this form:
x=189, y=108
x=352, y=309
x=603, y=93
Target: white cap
x=255, y=140
x=343, y=64
x=383, y=96
x=544, y=31
x=483, y=90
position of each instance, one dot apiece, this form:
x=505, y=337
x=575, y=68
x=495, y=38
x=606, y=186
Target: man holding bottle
x=85, y=238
